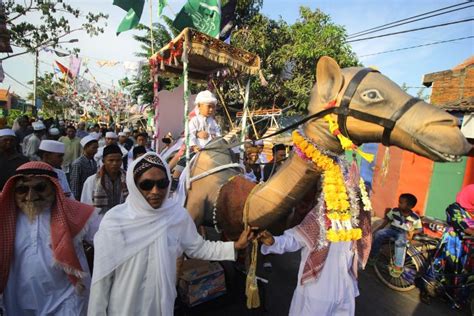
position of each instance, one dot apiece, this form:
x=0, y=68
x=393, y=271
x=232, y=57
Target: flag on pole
x=202, y=15
x=63, y=69
x=161, y=5
x=74, y=65
x=134, y=10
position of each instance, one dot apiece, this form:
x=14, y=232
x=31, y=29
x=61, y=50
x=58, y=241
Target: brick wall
x=452, y=85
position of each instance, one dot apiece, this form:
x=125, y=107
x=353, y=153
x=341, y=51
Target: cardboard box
x=201, y=281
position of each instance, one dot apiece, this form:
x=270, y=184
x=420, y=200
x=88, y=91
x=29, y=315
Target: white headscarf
x=132, y=226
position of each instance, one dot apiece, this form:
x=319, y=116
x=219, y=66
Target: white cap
x=7, y=132
x=38, y=126
x=127, y=130
x=87, y=139
x=122, y=134
x=259, y=142
x=110, y=135
x=52, y=146
x=95, y=135
x=53, y=131
x=205, y=96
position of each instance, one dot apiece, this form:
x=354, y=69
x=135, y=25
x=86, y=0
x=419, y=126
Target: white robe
x=35, y=286
x=201, y=123
x=334, y=292
x=136, y=249
x=64, y=183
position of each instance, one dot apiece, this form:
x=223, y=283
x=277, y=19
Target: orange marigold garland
x=336, y=197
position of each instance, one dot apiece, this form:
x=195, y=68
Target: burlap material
x=230, y=205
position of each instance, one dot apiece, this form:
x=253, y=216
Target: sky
x=406, y=66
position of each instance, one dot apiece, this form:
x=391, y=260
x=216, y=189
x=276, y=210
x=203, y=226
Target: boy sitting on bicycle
x=404, y=224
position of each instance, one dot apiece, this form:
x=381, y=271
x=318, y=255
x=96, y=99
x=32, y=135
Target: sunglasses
x=23, y=189
x=148, y=185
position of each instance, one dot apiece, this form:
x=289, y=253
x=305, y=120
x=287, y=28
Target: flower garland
x=334, y=189
x=365, y=196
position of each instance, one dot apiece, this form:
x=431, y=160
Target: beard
x=33, y=208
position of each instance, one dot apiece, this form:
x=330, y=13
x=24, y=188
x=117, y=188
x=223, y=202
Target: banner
x=202, y=15
x=134, y=9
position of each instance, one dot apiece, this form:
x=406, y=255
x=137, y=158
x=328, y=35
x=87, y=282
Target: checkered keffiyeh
x=68, y=218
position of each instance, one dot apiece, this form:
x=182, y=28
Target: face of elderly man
x=153, y=185
x=33, y=195
x=110, y=141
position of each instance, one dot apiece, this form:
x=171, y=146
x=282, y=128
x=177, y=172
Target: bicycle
x=424, y=269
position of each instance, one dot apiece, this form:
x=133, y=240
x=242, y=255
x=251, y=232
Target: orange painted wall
x=469, y=173
x=384, y=191
x=415, y=178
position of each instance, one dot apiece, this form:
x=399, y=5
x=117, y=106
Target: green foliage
x=48, y=90
x=289, y=54
x=55, y=17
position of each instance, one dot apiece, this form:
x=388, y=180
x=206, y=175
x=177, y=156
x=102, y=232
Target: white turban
x=205, y=96
x=52, y=146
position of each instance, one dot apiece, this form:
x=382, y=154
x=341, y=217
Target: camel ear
x=329, y=78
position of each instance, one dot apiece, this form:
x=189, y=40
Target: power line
x=411, y=47
x=403, y=23
x=17, y=81
x=409, y=18
x=411, y=30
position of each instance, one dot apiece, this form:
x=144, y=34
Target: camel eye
x=371, y=96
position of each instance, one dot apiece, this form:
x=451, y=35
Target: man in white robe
x=52, y=153
x=110, y=139
x=327, y=276
x=139, y=241
x=43, y=268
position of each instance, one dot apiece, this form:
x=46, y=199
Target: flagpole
x=184, y=59
x=151, y=28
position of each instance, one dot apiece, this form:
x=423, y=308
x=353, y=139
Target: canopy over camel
x=420, y=128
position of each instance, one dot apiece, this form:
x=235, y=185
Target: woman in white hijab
x=139, y=241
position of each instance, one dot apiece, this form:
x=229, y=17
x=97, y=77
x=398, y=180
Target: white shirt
x=64, y=183
x=31, y=147
x=35, y=286
x=334, y=292
x=136, y=286
x=201, y=123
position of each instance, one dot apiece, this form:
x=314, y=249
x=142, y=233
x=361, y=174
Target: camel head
x=423, y=129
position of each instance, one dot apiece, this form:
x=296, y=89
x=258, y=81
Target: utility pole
x=35, y=79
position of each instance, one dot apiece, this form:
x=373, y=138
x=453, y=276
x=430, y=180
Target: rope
x=251, y=285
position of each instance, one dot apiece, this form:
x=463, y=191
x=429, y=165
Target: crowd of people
x=68, y=188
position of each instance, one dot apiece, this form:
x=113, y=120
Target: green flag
x=202, y=15
x=134, y=10
x=161, y=5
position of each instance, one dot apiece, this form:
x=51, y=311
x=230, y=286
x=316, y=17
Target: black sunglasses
x=148, y=185
x=40, y=188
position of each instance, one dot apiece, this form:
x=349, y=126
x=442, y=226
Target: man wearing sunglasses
x=138, y=243
x=43, y=268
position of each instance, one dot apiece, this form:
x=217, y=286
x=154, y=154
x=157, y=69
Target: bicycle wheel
x=406, y=280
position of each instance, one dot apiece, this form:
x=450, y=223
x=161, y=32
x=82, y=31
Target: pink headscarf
x=465, y=198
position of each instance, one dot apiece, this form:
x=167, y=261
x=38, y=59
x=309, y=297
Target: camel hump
x=230, y=205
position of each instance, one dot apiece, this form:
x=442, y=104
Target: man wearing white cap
x=52, y=153
x=31, y=144
x=84, y=166
x=10, y=158
x=110, y=139
x=53, y=134
x=73, y=147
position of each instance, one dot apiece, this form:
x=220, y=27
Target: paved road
x=375, y=298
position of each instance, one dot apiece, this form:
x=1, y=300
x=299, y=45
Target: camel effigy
x=368, y=107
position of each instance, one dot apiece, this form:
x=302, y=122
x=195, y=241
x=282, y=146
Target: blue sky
x=407, y=66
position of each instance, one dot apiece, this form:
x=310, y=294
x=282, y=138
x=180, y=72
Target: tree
x=289, y=54
x=55, y=24
x=50, y=91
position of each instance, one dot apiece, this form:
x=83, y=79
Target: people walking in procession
x=84, y=166
x=42, y=262
x=107, y=188
x=73, y=148
x=31, y=142
x=137, y=275
x=52, y=153
x=10, y=157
